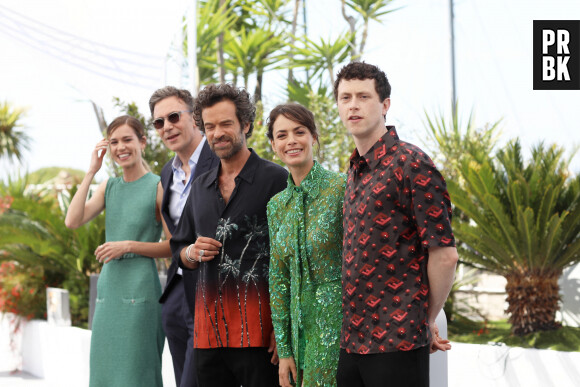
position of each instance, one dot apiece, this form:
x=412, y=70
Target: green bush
x=42, y=252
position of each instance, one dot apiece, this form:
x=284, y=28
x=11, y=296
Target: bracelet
x=187, y=257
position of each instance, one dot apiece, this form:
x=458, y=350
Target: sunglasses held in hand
x=174, y=118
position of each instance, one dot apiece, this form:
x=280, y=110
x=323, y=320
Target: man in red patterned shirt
x=399, y=252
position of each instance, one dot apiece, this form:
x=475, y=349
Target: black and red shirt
x=232, y=298
x=396, y=207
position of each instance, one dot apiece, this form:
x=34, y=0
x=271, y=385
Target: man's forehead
x=169, y=104
x=356, y=85
x=220, y=110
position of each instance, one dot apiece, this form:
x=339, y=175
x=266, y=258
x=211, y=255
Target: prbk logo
x=556, y=54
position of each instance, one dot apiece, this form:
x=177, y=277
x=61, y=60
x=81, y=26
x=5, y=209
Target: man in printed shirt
x=399, y=252
x=223, y=235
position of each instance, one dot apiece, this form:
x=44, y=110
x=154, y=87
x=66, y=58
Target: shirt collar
x=374, y=156
x=193, y=160
x=247, y=173
x=310, y=185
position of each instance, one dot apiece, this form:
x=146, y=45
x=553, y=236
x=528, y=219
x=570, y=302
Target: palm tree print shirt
x=232, y=306
x=396, y=207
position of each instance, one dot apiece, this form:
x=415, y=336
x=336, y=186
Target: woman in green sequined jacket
x=305, y=224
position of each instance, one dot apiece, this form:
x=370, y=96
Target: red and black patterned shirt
x=396, y=207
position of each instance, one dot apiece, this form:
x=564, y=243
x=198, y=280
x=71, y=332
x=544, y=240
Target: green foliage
x=259, y=141
x=252, y=51
x=520, y=221
x=33, y=234
x=370, y=9
x=515, y=213
x=524, y=216
x=49, y=174
x=270, y=10
x=336, y=144
x=466, y=331
x=366, y=10
x=13, y=140
x=323, y=56
x=452, y=141
x=245, y=37
x=514, y=218
x=213, y=20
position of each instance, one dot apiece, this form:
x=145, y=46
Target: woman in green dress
x=305, y=225
x=127, y=337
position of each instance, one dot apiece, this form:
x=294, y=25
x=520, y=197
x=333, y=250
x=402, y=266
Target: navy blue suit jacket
x=207, y=160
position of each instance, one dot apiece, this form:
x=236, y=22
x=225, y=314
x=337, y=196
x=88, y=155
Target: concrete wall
x=60, y=355
x=477, y=365
x=570, y=291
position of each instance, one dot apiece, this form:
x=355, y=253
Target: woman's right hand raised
x=98, y=155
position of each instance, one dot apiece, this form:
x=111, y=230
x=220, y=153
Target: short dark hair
x=294, y=112
x=134, y=123
x=214, y=93
x=362, y=71
x=170, y=91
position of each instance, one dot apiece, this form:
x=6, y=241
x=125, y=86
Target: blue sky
x=57, y=77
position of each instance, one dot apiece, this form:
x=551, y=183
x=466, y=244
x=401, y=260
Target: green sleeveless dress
x=127, y=337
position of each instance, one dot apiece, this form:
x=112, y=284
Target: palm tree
x=523, y=224
x=13, y=141
x=368, y=10
x=215, y=17
x=252, y=51
x=452, y=141
x=294, y=25
x=322, y=56
x=272, y=10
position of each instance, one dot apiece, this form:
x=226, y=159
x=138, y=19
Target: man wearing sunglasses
x=172, y=112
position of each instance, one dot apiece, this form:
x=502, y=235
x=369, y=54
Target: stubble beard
x=226, y=154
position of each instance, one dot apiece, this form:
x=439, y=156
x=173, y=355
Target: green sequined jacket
x=305, y=225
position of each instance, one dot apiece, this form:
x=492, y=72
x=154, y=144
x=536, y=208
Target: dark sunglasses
x=174, y=118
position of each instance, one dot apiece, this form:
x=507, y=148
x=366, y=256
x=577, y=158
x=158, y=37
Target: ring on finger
x=201, y=253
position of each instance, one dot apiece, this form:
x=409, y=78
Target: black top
x=396, y=207
x=232, y=299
